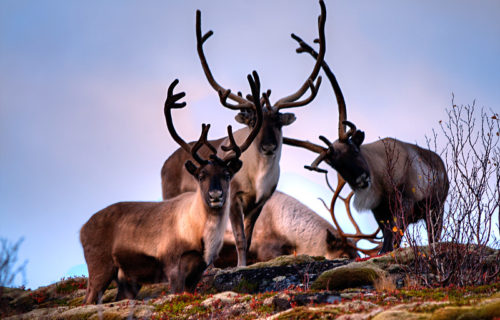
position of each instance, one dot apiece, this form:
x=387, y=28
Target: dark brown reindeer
x=399, y=182
x=257, y=179
x=174, y=240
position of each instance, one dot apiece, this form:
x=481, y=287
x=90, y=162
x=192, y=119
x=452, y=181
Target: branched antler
x=358, y=235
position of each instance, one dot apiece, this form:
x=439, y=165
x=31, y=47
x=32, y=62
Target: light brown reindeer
x=401, y=183
x=258, y=178
x=287, y=226
x=174, y=240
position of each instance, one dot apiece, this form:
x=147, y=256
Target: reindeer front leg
x=249, y=222
x=236, y=218
x=385, y=221
x=175, y=278
x=192, y=267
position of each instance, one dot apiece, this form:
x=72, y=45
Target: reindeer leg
x=383, y=217
x=175, y=277
x=236, y=218
x=249, y=222
x=192, y=266
x=127, y=288
x=101, y=273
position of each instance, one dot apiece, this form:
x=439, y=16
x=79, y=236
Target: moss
x=400, y=314
x=78, y=301
x=82, y=314
x=173, y=308
x=109, y=295
x=66, y=286
x=349, y=276
x=402, y=256
x=456, y=295
x=308, y=313
x=428, y=307
x=152, y=291
x=108, y=315
x=245, y=286
x=488, y=310
x=285, y=261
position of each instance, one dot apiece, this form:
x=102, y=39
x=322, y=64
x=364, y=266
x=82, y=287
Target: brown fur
x=418, y=178
x=393, y=179
x=258, y=179
x=251, y=186
x=140, y=242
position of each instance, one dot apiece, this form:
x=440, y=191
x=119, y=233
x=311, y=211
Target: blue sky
x=82, y=86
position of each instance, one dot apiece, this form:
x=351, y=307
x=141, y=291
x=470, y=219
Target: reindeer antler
x=343, y=136
x=323, y=152
x=358, y=235
x=224, y=94
x=249, y=103
x=171, y=103
x=291, y=100
x=255, y=88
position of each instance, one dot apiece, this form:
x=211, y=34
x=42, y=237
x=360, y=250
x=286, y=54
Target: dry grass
x=385, y=283
x=411, y=282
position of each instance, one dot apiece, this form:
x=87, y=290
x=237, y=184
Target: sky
x=82, y=87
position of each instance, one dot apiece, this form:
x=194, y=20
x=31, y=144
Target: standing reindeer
x=174, y=240
x=258, y=178
x=393, y=179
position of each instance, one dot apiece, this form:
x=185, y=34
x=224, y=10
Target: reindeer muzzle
x=363, y=181
x=215, y=199
x=268, y=149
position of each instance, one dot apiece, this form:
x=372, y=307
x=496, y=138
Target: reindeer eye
x=227, y=175
x=202, y=176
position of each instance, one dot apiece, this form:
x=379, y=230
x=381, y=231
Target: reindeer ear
x=287, y=118
x=244, y=117
x=234, y=165
x=331, y=239
x=358, y=137
x=191, y=168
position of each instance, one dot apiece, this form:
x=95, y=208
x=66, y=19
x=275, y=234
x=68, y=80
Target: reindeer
x=287, y=226
x=258, y=178
x=174, y=240
x=392, y=178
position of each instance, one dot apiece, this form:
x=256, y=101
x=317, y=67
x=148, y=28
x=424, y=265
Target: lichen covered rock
x=349, y=276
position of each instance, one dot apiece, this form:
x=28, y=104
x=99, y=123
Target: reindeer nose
x=269, y=148
x=215, y=194
x=363, y=181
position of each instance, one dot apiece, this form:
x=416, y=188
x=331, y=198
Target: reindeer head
x=214, y=174
x=337, y=247
x=269, y=139
x=344, y=154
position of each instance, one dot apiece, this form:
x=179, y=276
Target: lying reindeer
x=258, y=178
x=287, y=226
x=174, y=240
x=399, y=182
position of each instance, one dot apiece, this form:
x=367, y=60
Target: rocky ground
x=289, y=287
